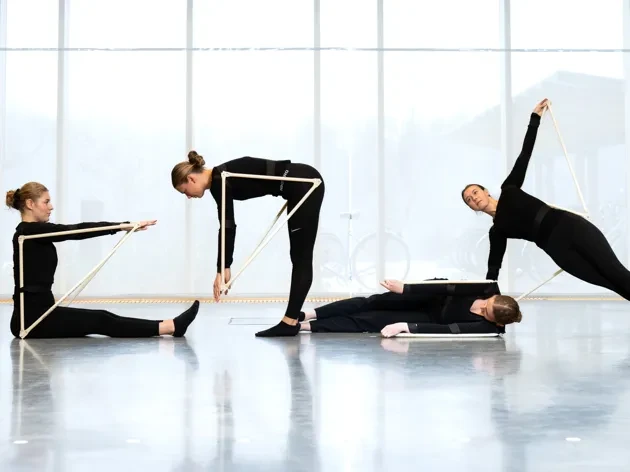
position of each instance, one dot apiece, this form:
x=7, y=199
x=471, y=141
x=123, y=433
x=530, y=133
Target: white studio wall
x=397, y=132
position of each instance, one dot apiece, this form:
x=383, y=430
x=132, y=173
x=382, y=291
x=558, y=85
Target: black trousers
x=302, y=232
x=372, y=314
x=581, y=249
x=66, y=322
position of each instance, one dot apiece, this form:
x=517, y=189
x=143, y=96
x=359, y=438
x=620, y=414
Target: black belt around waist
x=35, y=289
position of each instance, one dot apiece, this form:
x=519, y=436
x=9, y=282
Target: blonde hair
x=181, y=171
x=16, y=199
x=506, y=310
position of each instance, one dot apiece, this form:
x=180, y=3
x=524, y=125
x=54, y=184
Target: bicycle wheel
x=331, y=261
x=470, y=252
x=397, y=260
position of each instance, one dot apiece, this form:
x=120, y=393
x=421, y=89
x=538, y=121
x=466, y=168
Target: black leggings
x=66, y=322
x=302, y=233
x=581, y=249
x=371, y=314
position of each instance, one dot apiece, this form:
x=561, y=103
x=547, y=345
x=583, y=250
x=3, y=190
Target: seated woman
x=40, y=262
x=418, y=308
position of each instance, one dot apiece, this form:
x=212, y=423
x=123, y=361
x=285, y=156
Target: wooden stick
x=21, y=268
x=224, y=175
x=566, y=155
x=24, y=332
x=79, y=231
x=555, y=274
x=266, y=233
x=262, y=245
x=452, y=282
x=577, y=186
x=222, y=248
x=268, y=177
x=447, y=335
x=95, y=271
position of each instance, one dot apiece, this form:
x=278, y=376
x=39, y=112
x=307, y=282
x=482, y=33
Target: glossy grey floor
x=552, y=395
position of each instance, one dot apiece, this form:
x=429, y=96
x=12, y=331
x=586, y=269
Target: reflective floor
x=553, y=395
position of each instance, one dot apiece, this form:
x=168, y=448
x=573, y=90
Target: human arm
x=230, y=224
x=471, y=327
x=397, y=286
x=230, y=235
x=442, y=287
x=35, y=228
x=517, y=175
x=498, y=245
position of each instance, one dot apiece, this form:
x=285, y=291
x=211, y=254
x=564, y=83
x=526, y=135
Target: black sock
x=183, y=321
x=281, y=329
x=301, y=316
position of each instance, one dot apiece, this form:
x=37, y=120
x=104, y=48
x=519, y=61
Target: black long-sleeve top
x=454, y=307
x=238, y=188
x=516, y=210
x=40, y=255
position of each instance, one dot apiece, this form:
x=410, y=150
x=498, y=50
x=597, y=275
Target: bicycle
x=352, y=267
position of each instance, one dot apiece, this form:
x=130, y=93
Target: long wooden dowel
x=23, y=330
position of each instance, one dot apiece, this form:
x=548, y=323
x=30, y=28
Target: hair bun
x=10, y=199
x=195, y=159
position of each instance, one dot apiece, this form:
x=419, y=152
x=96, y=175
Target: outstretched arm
x=517, y=176
x=31, y=229
x=476, y=327
x=442, y=287
x=472, y=327
x=447, y=288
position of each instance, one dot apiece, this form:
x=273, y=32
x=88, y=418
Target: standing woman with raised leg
x=193, y=179
x=575, y=244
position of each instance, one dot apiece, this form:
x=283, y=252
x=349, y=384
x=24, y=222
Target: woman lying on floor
x=418, y=308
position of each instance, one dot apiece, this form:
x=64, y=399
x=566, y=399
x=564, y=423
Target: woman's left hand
x=541, y=107
x=395, y=286
x=394, y=329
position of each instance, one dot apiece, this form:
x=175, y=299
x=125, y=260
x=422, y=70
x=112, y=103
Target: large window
x=587, y=90
x=31, y=111
x=250, y=103
x=113, y=121
x=125, y=129
x=435, y=102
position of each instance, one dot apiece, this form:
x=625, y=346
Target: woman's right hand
x=540, y=107
x=142, y=225
x=395, y=286
x=218, y=286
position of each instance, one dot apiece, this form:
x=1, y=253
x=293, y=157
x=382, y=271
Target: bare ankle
x=167, y=327
x=289, y=321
